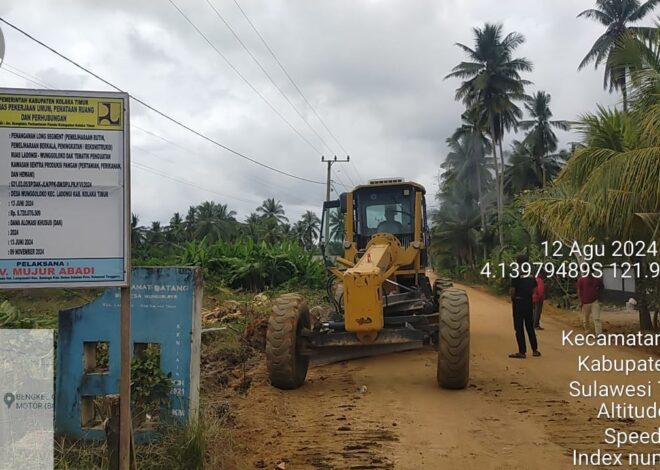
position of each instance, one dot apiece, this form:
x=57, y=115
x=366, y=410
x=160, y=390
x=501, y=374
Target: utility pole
x=330, y=161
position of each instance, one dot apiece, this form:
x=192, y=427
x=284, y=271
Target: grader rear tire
x=454, y=332
x=287, y=368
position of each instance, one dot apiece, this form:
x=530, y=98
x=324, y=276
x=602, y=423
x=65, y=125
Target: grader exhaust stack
x=375, y=241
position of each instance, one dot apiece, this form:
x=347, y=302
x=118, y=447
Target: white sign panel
x=64, y=181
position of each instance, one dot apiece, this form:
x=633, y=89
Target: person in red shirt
x=537, y=298
x=589, y=289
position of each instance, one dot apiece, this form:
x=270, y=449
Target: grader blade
x=342, y=346
x=346, y=353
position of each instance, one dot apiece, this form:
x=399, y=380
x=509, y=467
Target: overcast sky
x=373, y=70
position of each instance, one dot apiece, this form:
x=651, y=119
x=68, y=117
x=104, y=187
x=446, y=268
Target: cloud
x=374, y=70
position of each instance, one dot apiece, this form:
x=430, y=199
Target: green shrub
x=255, y=266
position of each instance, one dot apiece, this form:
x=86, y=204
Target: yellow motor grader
x=374, y=242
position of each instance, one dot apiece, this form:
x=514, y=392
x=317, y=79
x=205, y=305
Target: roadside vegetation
x=264, y=251
x=245, y=265
x=495, y=203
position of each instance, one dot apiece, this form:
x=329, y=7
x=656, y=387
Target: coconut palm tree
x=642, y=56
x=617, y=16
x=138, y=234
x=250, y=227
x=270, y=230
x=227, y=221
x=541, y=137
x=455, y=235
x=271, y=209
x=473, y=134
x=214, y=222
x=465, y=166
x=493, y=83
x=526, y=171
x=296, y=233
x=191, y=221
x=335, y=221
x=605, y=183
x=155, y=236
x=176, y=230
x=308, y=228
x=521, y=172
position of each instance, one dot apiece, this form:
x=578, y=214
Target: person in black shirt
x=521, y=292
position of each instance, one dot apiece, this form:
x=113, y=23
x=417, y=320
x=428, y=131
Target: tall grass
x=202, y=444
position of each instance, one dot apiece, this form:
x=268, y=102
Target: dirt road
x=516, y=414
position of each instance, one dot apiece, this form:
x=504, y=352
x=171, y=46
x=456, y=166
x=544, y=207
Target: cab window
x=385, y=209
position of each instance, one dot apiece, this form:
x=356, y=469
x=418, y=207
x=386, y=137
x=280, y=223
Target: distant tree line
x=217, y=222
x=264, y=251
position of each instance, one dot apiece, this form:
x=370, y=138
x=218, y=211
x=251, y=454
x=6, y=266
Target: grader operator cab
x=374, y=242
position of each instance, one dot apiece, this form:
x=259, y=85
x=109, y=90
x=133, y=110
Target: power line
x=157, y=111
x=22, y=74
x=199, y=31
x=341, y=180
x=341, y=184
x=295, y=85
x=34, y=78
x=347, y=176
x=265, y=43
x=160, y=137
x=18, y=75
x=256, y=61
x=358, y=173
x=158, y=172
x=188, y=182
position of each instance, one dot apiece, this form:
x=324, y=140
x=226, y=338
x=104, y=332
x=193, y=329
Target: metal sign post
x=65, y=201
x=125, y=425
x=125, y=420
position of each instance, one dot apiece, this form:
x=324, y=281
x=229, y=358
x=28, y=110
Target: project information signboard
x=64, y=182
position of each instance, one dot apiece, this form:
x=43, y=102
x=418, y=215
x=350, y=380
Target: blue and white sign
x=165, y=311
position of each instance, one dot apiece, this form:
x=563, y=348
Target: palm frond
x=643, y=10
x=600, y=16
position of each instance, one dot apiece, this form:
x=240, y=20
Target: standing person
x=537, y=298
x=589, y=289
x=521, y=292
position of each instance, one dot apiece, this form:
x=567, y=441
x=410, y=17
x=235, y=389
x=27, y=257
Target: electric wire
x=158, y=172
x=265, y=43
x=227, y=61
x=133, y=162
x=147, y=168
x=24, y=75
x=157, y=111
x=34, y=77
x=187, y=150
x=17, y=74
x=270, y=78
x=295, y=85
x=347, y=176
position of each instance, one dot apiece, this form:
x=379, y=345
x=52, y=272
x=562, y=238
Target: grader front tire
x=444, y=283
x=287, y=368
x=454, y=332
